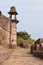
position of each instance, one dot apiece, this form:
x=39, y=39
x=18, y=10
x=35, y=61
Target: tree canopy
x=24, y=37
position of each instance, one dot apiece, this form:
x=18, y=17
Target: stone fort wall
x=4, y=30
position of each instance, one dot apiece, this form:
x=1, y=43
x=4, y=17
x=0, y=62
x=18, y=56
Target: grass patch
x=30, y=41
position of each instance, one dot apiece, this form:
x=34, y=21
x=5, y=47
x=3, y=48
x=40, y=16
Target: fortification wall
x=4, y=30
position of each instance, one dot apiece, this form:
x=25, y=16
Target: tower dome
x=12, y=10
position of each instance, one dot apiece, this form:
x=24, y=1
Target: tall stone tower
x=13, y=23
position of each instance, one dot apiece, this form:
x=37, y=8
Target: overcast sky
x=30, y=15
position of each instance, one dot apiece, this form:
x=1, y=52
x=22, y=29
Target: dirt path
x=4, y=54
x=22, y=57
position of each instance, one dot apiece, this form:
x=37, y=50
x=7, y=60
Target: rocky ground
x=21, y=56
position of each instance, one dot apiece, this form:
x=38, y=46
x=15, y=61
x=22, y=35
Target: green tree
x=24, y=35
